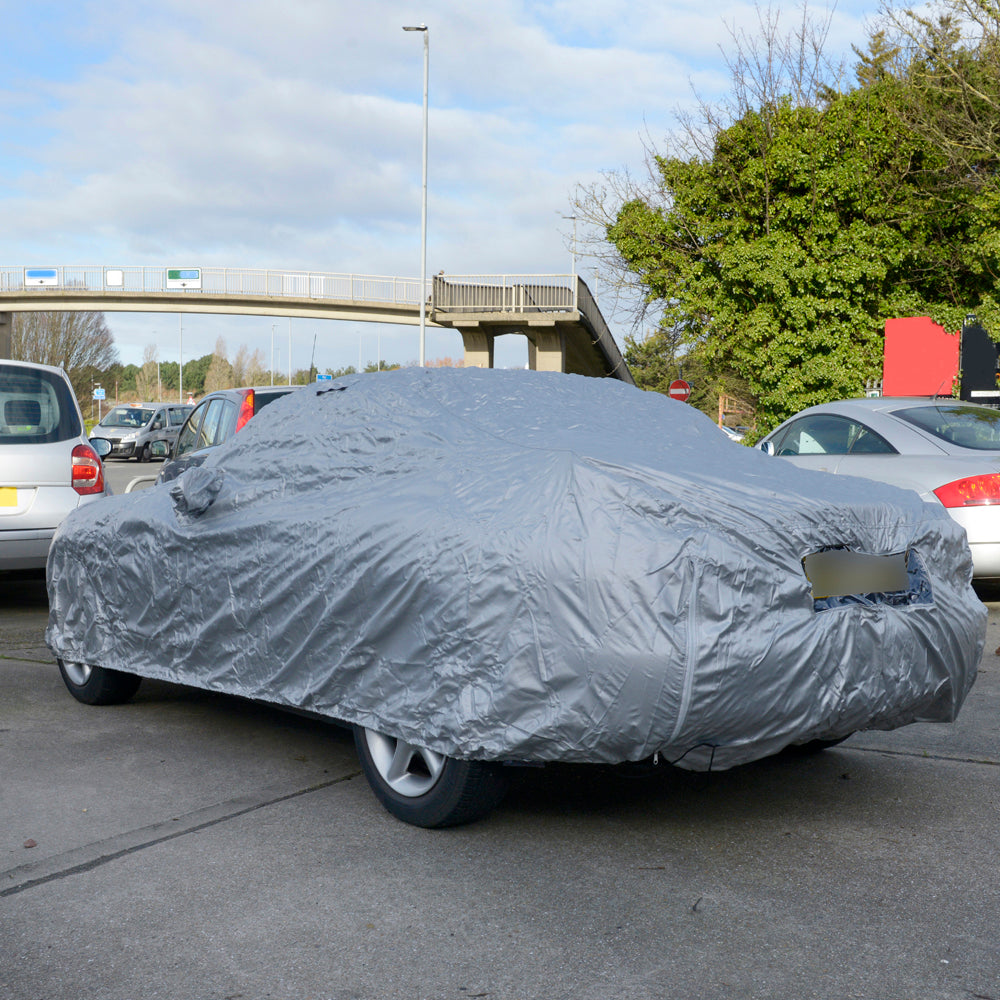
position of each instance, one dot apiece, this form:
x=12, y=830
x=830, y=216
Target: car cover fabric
x=526, y=566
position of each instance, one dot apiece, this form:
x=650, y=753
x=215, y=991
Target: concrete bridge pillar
x=478, y=345
x=6, y=345
x=546, y=350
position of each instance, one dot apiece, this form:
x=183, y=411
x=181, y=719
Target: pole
x=180, y=363
x=572, y=218
x=423, y=199
x=423, y=214
x=289, y=350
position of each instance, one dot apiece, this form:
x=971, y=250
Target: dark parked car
x=214, y=420
x=478, y=567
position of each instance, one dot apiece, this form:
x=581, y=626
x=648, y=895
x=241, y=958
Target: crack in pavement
x=924, y=755
x=65, y=865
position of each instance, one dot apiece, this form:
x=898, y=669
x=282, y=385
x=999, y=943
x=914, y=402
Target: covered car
x=474, y=567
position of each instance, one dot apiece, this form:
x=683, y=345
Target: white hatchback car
x=47, y=466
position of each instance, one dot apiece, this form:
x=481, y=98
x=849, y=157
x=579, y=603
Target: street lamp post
x=572, y=218
x=180, y=360
x=423, y=201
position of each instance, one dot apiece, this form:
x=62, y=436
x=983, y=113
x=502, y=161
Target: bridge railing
x=213, y=281
x=504, y=293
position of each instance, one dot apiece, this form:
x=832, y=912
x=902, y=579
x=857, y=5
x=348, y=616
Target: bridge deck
x=557, y=313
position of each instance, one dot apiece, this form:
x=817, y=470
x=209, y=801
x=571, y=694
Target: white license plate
x=840, y=573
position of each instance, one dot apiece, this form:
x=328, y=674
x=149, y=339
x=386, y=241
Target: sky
x=287, y=134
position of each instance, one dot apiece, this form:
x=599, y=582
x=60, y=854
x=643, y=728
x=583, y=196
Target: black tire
x=143, y=454
x=424, y=788
x=97, y=685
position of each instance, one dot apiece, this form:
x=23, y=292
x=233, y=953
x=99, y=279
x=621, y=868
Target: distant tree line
x=79, y=342
x=82, y=344
x=216, y=371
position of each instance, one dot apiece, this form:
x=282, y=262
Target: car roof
x=34, y=365
x=249, y=388
x=874, y=403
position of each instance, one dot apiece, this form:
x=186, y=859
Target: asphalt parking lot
x=190, y=845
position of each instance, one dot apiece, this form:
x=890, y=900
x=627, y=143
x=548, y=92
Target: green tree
x=220, y=371
x=195, y=372
x=779, y=257
x=126, y=377
x=168, y=375
x=662, y=356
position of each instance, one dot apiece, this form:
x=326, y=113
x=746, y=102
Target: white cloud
x=286, y=133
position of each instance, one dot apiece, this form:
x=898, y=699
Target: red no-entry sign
x=680, y=390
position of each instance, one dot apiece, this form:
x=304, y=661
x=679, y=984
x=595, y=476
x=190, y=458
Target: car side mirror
x=159, y=449
x=767, y=447
x=101, y=445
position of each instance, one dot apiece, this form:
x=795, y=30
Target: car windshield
x=975, y=427
x=127, y=416
x=36, y=407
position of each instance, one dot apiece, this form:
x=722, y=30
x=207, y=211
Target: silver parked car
x=133, y=428
x=47, y=467
x=945, y=449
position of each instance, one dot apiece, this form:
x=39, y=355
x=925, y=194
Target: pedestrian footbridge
x=555, y=312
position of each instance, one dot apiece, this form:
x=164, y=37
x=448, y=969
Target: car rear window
x=261, y=397
x=36, y=407
x=966, y=426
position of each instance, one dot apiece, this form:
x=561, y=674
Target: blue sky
x=286, y=134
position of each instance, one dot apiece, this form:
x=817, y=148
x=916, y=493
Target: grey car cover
x=515, y=565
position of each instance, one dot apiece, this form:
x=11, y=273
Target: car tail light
x=975, y=491
x=246, y=411
x=88, y=473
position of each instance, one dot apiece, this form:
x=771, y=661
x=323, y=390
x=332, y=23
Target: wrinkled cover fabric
x=519, y=565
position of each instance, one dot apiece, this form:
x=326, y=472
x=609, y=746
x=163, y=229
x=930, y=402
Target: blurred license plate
x=8, y=496
x=840, y=573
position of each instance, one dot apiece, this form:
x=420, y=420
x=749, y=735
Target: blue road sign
x=41, y=276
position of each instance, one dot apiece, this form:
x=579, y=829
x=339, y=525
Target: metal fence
x=505, y=293
x=212, y=281
x=462, y=293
